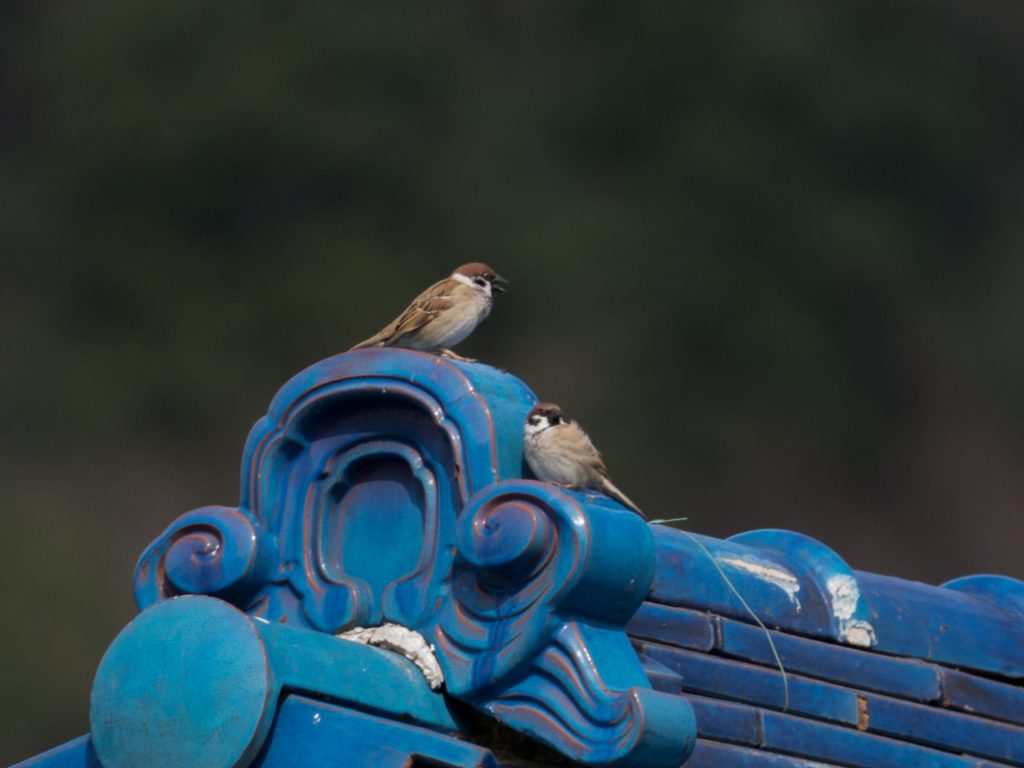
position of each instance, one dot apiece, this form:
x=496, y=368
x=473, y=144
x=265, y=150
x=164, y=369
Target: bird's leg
x=445, y=352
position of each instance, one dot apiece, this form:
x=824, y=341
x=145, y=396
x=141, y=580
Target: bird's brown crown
x=476, y=269
x=481, y=275
x=550, y=410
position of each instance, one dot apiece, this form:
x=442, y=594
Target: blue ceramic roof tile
x=717, y=676
x=315, y=734
x=948, y=730
x=898, y=697
x=811, y=738
x=982, y=696
x=710, y=675
x=686, y=629
x=77, y=753
x=714, y=754
x=727, y=721
x=1001, y=591
x=661, y=676
x=910, y=678
x=946, y=625
x=685, y=577
x=801, y=586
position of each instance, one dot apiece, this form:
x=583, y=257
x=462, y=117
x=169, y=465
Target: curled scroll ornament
x=532, y=632
x=213, y=550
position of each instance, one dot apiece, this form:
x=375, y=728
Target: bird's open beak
x=499, y=283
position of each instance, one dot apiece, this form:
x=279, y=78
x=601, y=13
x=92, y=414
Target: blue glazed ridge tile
x=801, y=586
x=675, y=626
x=945, y=625
x=981, y=696
x=725, y=678
x=77, y=753
x=740, y=682
x=945, y=729
x=727, y=721
x=662, y=677
x=715, y=754
x=314, y=734
x=775, y=732
x=847, y=746
x=905, y=678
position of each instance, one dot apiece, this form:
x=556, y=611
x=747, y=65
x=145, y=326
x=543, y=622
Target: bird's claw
x=444, y=352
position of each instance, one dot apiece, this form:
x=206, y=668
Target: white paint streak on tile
x=860, y=633
x=767, y=571
x=845, y=594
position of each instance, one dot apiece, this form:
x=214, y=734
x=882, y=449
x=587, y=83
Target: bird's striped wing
x=419, y=314
x=606, y=484
x=586, y=450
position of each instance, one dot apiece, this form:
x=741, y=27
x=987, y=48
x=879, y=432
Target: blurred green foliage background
x=769, y=254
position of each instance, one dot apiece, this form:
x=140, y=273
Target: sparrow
x=444, y=314
x=559, y=452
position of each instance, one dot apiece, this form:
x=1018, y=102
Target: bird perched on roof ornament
x=560, y=452
x=444, y=314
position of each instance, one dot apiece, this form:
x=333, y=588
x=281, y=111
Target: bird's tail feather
x=374, y=341
x=608, y=487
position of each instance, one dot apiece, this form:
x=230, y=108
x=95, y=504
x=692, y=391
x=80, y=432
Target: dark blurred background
x=769, y=254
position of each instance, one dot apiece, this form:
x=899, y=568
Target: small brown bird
x=444, y=314
x=559, y=452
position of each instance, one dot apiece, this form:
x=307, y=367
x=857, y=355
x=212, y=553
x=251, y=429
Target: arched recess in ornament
x=365, y=507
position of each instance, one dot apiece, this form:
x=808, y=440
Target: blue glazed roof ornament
x=386, y=486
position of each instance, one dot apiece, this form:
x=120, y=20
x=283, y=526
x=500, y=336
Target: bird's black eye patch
x=479, y=281
x=534, y=420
